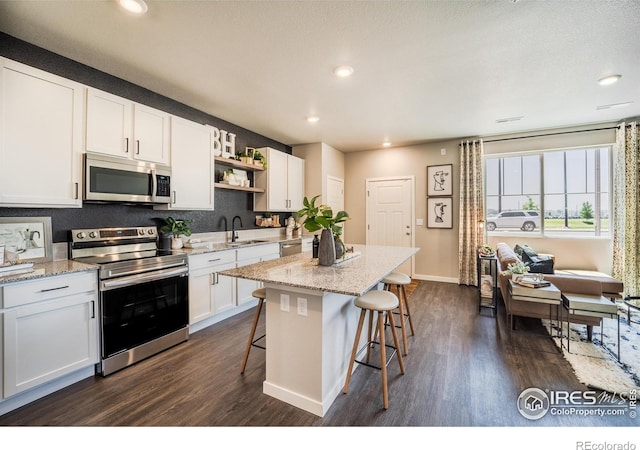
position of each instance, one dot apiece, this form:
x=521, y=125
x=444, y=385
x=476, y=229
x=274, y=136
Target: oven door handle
x=144, y=278
x=180, y=264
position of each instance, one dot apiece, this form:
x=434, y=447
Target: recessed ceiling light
x=606, y=81
x=138, y=7
x=313, y=119
x=386, y=144
x=343, y=71
x=614, y=105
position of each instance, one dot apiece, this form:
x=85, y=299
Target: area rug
x=596, y=366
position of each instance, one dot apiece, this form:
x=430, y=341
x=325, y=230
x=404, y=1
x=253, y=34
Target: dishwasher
x=290, y=247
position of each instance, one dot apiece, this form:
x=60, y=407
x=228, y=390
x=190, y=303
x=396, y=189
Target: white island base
x=308, y=350
x=311, y=319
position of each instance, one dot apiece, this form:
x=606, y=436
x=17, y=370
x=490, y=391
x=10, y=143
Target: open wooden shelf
x=237, y=188
x=238, y=164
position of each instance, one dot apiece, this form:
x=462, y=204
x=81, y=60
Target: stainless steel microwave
x=111, y=179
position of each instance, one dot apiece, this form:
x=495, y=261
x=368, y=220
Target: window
x=571, y=187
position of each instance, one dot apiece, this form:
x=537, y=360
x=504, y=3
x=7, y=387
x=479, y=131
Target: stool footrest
x=254, y=342
x=389, y=357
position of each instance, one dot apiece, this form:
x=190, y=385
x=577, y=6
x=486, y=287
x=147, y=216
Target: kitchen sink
x=248, y=242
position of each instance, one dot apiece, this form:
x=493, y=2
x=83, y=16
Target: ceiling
x=424, y=71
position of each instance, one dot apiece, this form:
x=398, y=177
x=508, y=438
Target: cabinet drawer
x=26, y=292
x=211, y=259
x=258, y=251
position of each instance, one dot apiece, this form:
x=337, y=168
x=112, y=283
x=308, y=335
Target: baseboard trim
x=422, y=277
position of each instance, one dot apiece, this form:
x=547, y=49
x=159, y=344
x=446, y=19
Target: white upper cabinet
x=283, y=181
x=192, y=166
x=119, y=127
x=41, y=131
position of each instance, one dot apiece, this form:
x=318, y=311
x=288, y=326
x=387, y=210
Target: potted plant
x=176, y=228
x=296, y=230
x=259, y=159
x=516, y=270
x=246, y=155
x=486, y=250
x=321, y=218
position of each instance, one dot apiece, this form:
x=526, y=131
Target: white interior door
x=390, y=214
x=335, y=197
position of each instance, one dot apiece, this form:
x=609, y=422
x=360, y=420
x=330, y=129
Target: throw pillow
x=536, y=263
x=518, y=249
x=531, y=253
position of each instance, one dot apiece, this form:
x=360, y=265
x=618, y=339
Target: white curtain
x=626, y=209
x=471, y=234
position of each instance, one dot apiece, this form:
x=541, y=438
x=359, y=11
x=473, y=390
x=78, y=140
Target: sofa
x=573, y=281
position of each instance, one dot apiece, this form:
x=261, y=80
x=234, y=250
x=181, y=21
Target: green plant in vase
x=516, y=269
x=321, y=217
x=176, y=228
x=257, y=156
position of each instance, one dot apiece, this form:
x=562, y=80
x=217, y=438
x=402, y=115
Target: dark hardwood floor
x=464, y=369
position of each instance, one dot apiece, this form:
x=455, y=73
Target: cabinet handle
x=138, y=147
x=174, y=198
x=93, y=309
x=214, y=260
x=76, y=190
x=54, y=289
x=126, y=149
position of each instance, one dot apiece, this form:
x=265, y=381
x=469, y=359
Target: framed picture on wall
x=440, y=180
x=439, y=212
x=26, y=239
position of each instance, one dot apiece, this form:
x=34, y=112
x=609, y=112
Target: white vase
x=176, y=243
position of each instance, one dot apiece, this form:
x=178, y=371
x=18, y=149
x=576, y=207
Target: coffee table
x=594, y=306
x=632, y=303
x=549, y=295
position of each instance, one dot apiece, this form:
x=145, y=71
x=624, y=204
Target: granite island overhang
x=311, y=319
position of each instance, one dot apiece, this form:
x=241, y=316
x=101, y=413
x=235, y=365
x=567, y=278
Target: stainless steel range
x=143, y=296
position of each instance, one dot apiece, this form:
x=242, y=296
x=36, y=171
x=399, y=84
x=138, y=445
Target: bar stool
x=399, y=280
x=380, y=302
x=261, y=295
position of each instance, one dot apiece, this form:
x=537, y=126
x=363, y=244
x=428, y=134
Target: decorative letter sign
x=223, y=141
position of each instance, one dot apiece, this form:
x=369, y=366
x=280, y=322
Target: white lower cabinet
x=49, y=329
x=252, y=255
x=214, y=297
x=307, y=244
x=209, y=292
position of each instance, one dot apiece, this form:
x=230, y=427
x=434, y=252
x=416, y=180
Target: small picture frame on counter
x=26, y=239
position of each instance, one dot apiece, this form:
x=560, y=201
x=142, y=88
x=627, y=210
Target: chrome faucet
x=234, y=234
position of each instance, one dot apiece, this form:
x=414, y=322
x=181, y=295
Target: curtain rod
x=553, y=134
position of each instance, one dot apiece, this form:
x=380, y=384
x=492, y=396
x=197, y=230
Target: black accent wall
x=228, y=203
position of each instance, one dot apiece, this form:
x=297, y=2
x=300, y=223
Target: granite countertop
x=48, y=269
x=351, y=277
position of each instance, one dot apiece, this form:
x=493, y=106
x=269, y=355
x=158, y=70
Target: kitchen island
x=311, y=319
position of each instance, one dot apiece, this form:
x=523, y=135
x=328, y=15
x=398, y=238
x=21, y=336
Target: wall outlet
x=302, y=306
x=443, y=151
x=284, y=302
x=419, y=222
